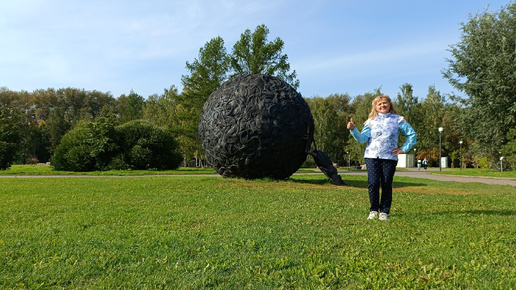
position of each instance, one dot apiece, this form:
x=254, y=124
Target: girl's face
x=383, y=106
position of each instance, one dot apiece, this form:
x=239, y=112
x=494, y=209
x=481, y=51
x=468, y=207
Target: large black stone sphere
x=256, y=126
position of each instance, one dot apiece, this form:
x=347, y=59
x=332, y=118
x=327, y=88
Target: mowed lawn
x=197, y=232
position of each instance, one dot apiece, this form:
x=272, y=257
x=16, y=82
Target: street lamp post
x=415, y=159
x=501, y=167
x=349, y=160
x=440, y=163
x=460, y=142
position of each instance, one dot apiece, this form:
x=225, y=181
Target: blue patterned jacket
x=381, y=134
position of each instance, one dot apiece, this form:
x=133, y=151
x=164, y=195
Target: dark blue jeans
x=380, y=172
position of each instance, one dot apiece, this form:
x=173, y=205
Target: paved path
x=413, y=172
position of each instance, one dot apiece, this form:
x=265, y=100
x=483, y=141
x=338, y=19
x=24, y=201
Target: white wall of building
x=406, y=160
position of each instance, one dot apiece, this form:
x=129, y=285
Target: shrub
x=483, y=163
x=101, y=146
x=147, y=146
x=118, y=162
x=32, y=160
x=88, y=147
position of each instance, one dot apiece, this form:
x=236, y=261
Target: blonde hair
x=374, y=113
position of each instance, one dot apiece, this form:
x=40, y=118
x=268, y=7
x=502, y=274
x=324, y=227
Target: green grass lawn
x=47, y=170
x=191, y=232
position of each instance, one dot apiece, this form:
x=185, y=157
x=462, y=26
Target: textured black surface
x=256, y=126
x=325, y=164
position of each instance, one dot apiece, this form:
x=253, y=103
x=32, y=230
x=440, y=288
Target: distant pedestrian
x=425, y=163
x=381, y=132
x=418, y=163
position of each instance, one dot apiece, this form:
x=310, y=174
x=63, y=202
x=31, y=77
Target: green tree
x=253, y=54
x=130, y=107
x=11, y=135
x=427, y=129
x=96, y=102
x=42, y=102
x=408, y=106
x=454, y=155
x=325, y=129
x=342, y=106
x=207, y=73
x=509, y=150
x=161, y=109
x=483, y=67
x=331, y=115
x=54, y=128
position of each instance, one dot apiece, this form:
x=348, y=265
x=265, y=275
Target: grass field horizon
x=185, y=232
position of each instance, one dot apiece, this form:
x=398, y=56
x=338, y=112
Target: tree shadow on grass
x=321, y=181
x=406, y=184
x=351, y=183
x=489, y=212
x=472, y=212
x=325, y=181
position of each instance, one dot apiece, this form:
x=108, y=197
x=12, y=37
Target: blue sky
x=335, y=46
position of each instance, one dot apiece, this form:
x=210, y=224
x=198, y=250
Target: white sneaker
x=383, y=216
x=372, y=215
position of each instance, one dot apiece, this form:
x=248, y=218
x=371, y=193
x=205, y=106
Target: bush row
x=137, y=145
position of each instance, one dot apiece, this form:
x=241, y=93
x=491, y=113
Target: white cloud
x=376, y=57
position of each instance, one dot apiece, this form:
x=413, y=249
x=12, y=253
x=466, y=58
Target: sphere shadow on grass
x=256, y=126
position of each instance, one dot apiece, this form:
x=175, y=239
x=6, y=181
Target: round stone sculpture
x=256, y=126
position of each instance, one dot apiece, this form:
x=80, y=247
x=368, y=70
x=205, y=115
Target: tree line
x=478, y=129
